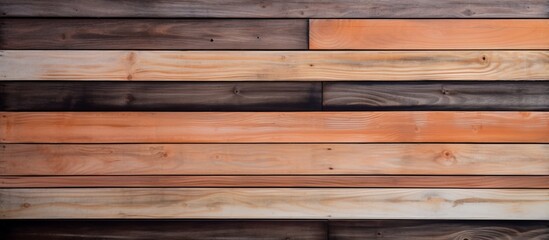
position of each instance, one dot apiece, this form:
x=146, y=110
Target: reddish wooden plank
x=274, y=159
x=527, y=182
x=246, y=127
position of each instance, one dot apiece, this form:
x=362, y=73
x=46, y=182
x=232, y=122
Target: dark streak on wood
x=160, y=96
x=162, y=229
x=158, y=34
x=438, y=230
x=277, y=8
x=436, y=96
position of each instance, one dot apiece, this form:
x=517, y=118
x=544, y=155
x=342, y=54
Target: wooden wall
x=248, y=119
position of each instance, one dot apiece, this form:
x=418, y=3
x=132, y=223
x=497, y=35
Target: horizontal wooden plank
x=245, y=127
x=276, y=203
x=273, y=65
x=162, y=229
x=167, y=34
x=160, y=96
x=437, y=230
x=436, y=96
x=429, y=34
x=277, y=8
x=524, y=182
x=274, y=159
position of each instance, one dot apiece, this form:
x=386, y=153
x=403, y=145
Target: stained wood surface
x=277, y=8
x=429, y=34
x=273, y=65
x=267, y=181
x=160, y=96
x=438, y=230
x=162, y=229
x=243, y=127
x=276, y=203
x=274, y=159
x=436, y=96
x=153, y=34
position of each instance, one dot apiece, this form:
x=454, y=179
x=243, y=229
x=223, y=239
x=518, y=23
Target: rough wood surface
x=273, y=65
x=274, y=159
x=276, y=203
x=246, y=127
x=160, y=96
x=438, y=230
x=153, y=34
x=266, y=181
x=162, y=229
x=277, y=8
x=429, y=34
x=436, y=96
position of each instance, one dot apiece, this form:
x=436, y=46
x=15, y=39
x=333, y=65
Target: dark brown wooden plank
x=160, y=96
x=438, y=230
x=278, y=8
x=527, y=182
x=522, y=95
x=161, y=229
x=160, y=34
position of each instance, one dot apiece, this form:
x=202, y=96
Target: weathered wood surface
x=276, y=203
x=274, y=159
x=168, y=34
x=436, y=96
x=257, y=127
x=429, y=34
x=438, y=230
x=162, y=229
x=277, y=8
x=273, y=65
x=267, y=181
x=160, y=96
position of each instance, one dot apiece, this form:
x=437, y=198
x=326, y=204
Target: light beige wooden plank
x=274, y=65
x=248, y=159
x=357, y=203
x=248, y=127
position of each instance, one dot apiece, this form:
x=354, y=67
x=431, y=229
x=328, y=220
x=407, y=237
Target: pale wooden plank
x=524, y=182
x=277, y=8
x=276, y=203
x=429, y=34
x=296, y=159
x=246, y=127
x=273, y=65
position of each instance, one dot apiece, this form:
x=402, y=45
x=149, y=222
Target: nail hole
x=211, y=40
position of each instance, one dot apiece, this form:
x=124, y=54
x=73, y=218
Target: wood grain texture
x=162, y=229
x=243, y=127
x=158, y=34
x=274, y=159
x=436, y=96
x=277, y=8
x=267, y=181
x=273, y=65
x=276, y=203
x=160, y=96
x=438, y=230
x=429, y=34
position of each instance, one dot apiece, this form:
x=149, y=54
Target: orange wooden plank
x=429, y=34
x=245, y=127
x=530, y=182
